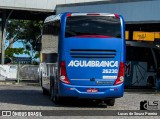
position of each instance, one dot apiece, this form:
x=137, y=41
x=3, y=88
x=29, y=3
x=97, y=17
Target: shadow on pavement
x=81, y=103
x=24, y=97
x=34, y=97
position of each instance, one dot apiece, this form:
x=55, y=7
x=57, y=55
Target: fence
x=19, y=72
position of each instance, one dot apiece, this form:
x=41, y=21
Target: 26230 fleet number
x=109, y=71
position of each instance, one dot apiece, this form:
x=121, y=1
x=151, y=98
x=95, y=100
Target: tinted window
x=140, y=54
x=107, y=26
x=51, y=28
x=50, y=41
x=157, y=53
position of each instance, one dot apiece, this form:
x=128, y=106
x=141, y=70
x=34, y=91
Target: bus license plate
x=92, y=90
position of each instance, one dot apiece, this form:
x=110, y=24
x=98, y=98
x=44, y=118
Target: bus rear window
x=103, y=26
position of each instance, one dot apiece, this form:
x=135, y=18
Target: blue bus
x=83, y=56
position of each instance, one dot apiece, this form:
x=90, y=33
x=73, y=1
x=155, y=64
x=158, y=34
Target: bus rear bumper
x=66, y=90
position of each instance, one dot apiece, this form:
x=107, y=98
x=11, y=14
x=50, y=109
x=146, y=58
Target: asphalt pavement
x=24, y=97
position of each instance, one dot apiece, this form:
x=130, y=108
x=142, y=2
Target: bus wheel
x=54, y=96
x=45, y=92
x=57, y=99
x=40, y=80
x=52, y=88
x=110, y=102
x=150, y=82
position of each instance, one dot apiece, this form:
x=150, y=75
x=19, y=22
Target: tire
x=110, y=102
x=40, y=80
x=52, y=89
x=45, y=92
x=53, y=92
x=57, y=99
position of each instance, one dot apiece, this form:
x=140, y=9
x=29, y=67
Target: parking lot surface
x=18, y=97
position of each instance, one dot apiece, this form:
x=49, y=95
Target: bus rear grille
x=75, y=53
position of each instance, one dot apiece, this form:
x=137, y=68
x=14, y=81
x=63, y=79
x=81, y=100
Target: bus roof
x=52, y=18
x=94, y=14
x=57, y=17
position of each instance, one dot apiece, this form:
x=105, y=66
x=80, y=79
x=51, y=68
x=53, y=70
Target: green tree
x=26, y=31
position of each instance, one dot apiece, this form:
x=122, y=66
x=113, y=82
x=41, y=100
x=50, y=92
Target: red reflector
x=62, y=64
x=63, y=73
x=117, y=16
x=93, y=14
x=68, y=89
x=69, y=14
x=120, y=77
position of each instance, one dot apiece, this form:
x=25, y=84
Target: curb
x=18, y=84
x=7, y=83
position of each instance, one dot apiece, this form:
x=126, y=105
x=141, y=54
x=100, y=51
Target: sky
x=19, y=45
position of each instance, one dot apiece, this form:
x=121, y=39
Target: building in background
x=141, y=16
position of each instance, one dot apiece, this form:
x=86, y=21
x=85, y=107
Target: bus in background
x=85, y=58
x=142, y=65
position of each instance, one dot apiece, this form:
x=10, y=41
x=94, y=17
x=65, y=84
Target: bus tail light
x=117, y=16
x=120, y=78
x=69, y=14
x=63, y=73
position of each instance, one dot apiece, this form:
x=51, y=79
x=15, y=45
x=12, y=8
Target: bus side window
x=149, y=56
x=50, y=41
x=157, y=54
x=130, y=53
x=145, y=55
x=141, y=54
x=56, y=30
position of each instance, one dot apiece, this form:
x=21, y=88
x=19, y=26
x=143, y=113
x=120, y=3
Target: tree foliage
x=28, y=32
x=11, y=51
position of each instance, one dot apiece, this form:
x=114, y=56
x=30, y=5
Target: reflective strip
x=85, y=14
x=109, y=77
